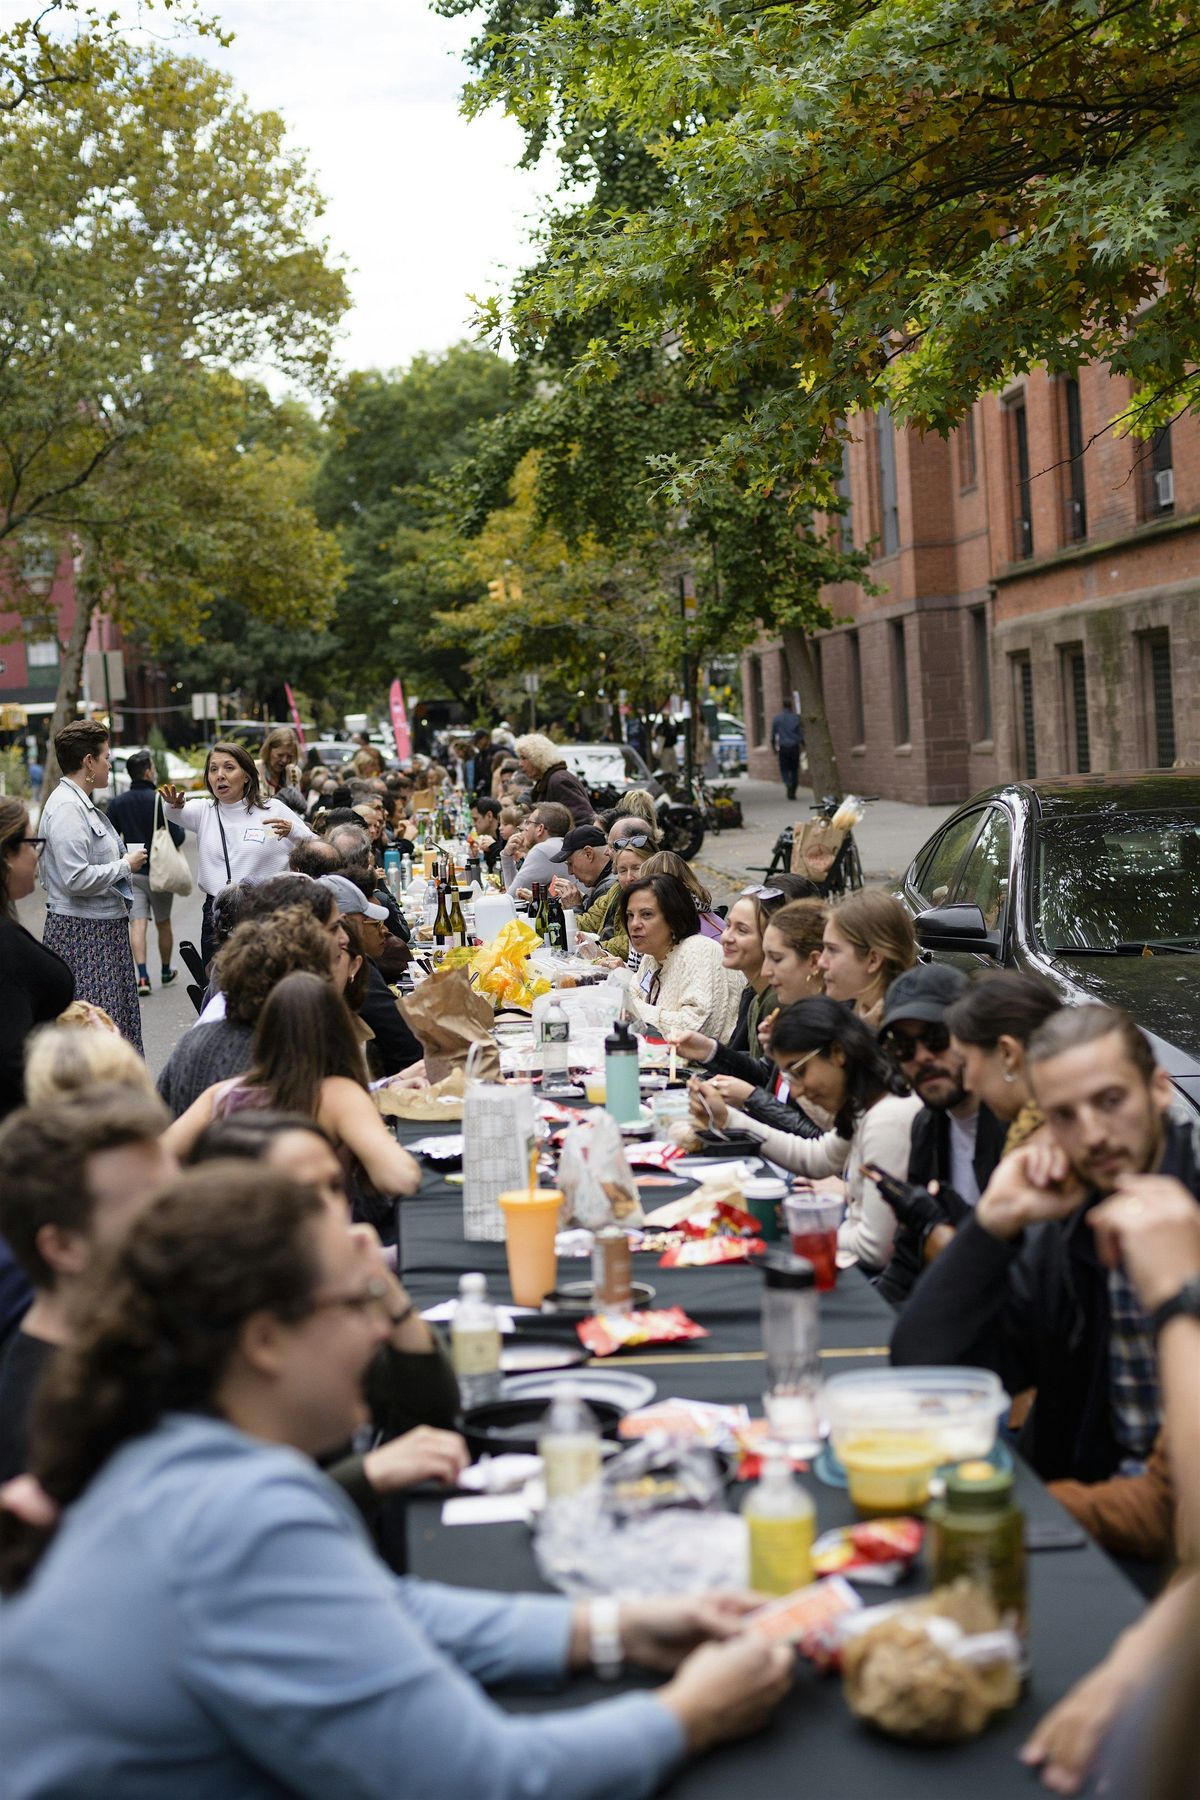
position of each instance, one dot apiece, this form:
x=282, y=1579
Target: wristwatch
x=1186, y=1302
x=604, y=1639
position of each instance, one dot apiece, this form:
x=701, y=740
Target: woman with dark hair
x=223, y=1349
x=681, y=983
x=307, y=1059
x=35, y=982
x=668, y=862
x=240, y=836
x=989, y=1028
x=833, y=1062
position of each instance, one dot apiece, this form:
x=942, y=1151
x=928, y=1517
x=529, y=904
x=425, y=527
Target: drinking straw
x=533, y=1162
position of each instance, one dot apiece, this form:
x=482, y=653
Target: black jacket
x=929, y=1160
x=1035, y=1310
x=394, y=1042
x=133, y=815
x=762, y=1104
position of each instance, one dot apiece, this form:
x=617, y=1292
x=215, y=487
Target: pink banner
x=400, y=729
x=291, y=700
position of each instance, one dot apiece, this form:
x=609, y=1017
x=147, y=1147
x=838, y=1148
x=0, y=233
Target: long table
x=1079, y=1601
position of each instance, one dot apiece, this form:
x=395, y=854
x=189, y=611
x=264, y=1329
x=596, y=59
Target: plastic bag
x=595, y=1177
x=500, y=969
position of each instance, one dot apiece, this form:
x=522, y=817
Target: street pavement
x=888, y=837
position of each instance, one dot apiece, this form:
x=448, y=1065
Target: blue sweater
x=211, y=1620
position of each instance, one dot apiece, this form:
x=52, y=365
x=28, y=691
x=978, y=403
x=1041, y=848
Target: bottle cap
x=978, y=1484
x=781, y=1270
x=764, y=1187
x=621, y=1039
x=472, y=1284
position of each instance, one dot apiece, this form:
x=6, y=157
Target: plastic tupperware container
x=892, y=1429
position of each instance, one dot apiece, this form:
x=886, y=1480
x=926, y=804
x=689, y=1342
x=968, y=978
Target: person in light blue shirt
x=193, y=1610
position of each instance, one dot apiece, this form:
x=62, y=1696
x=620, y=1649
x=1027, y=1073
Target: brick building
x=1040, y=603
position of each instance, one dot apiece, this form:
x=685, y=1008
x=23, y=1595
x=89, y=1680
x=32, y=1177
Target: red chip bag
x=606, y=1333
x=702, y=1253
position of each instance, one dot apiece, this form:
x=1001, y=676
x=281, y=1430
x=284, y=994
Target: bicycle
x=846, y=872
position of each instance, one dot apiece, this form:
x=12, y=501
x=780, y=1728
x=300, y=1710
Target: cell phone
x=1054, y=1534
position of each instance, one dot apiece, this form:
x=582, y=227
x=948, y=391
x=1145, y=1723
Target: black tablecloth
x=1079, y=1601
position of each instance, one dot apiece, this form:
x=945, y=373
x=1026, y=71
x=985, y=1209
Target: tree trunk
x=802, y=672
x=70, y=680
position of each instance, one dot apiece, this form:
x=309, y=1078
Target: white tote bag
x=169, y=873
x=497, y=1136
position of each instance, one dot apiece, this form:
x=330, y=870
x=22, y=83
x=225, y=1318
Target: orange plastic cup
x=530, y=1224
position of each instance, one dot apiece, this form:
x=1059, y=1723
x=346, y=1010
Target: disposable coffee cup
x=530, y=1226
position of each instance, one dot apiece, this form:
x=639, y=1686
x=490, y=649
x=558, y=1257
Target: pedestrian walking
x=87, y=873
x=239, y=835
x=133, y=815
x=787, y=741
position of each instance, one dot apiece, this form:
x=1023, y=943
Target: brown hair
x=14, y=823
x=666, y=862
x=1071, y=1027
x=801, y=925
x=258, y=954
x=163, y=1313
x=1004, y=1004
x=555, y=817
x=44, y=1152
x=303, y=1037
x=245, y=762
x=874, y=920
x=355, y=990
x=81, y=738
x=675, y=903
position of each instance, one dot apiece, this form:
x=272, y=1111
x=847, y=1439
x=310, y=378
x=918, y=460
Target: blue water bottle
x=623, y=1094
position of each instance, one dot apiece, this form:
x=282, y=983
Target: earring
x=1010, y=1074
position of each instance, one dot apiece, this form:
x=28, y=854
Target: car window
x=984, y=880
x=1118, y=879
x=934, y=878
x=597, y=765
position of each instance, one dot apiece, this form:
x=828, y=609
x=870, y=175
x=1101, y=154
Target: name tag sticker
x=254, y=834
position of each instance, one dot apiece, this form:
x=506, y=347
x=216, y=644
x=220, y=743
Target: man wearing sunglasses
x=956, y=1142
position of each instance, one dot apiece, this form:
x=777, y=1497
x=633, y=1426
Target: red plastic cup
x=812, y=1221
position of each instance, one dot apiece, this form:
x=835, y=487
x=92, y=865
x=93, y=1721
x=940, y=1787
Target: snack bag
x=606, y=1333
x=876, y=1552
x=703, y=1253
x=595, y=1178
x=810, y=1619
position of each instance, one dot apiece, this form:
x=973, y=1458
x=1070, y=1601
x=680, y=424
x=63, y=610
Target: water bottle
x=780, y=1522
x=623, y=1098
x=790, y=1343
x=405, y=873
x=569, y=1444
x=475, y=1343
x=391, y=873
x=555, y=1039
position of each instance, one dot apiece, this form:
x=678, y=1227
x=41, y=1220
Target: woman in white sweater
x=832, y=1061
x=240, y=836
x=681, y=982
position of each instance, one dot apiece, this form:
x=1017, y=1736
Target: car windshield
x=1118, y=882
x=597, y=763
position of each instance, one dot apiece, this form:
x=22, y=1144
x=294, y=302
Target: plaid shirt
x=1133, y=1375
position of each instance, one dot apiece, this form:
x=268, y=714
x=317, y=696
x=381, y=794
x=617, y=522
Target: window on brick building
x=981, y=673
x=1157, y=466
x=1025, y=735
x=758, y=710
x=858, y=727
x=1075, y=496
x=901, y=728
x=1075, y=709
x=1159, y=699
x=967, y=470
x=1020, y=494
x=885, y=471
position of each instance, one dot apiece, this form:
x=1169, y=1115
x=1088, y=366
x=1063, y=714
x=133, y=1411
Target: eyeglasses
x=368, y=1300
x=635, y=840
x=761, y=893
x=904, y=1045
x=37, y=842
x=803, y=1063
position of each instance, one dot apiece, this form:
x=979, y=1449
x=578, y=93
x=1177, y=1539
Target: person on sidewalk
x=133, y=815
x=787, y=741
x=87, y=874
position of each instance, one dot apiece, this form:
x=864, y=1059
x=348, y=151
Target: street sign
x=531, y=681
x=204, y=706
x=104, y=673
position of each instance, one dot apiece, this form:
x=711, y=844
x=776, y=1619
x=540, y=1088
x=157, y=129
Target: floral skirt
x=97, y=952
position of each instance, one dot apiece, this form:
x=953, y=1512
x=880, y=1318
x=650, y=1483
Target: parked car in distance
x=1092, y=881
x=610, y=770
x=730, y=745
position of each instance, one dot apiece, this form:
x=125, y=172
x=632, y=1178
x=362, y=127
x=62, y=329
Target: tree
x=866, y=201
x=70, y=43
x=154, y=233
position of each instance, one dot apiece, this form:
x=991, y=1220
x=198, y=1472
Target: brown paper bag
x=448, y=1015
x=423, y=800
x=444, y=1100
x=815, y=845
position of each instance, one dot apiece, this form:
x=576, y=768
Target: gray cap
x=350, y=898
x=922, y=993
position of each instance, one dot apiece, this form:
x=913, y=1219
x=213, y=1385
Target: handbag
x=169, y=873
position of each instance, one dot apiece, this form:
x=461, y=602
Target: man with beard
x=1022, y=1290
x=956, y=1141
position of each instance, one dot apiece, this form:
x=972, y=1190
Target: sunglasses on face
x=903, y=1045
x=761, y=893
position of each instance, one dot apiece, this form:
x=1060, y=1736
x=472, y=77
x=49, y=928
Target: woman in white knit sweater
x=833, y=1061
x=681, y=982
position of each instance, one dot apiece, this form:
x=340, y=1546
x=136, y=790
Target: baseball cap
x=583, y=837
x=922, y=993
x=351, y=899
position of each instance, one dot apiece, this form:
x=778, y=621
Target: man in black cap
x=586, y=854
x=956, y=1142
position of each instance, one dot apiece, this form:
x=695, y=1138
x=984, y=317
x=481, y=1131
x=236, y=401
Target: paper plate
x=523, y=1355
x=617, y=1387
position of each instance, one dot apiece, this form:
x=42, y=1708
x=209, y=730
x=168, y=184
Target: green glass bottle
x=977, y=1534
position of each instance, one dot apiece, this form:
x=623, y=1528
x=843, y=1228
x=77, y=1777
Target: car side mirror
x=962, y=928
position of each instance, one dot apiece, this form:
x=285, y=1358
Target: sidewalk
x=888, y=838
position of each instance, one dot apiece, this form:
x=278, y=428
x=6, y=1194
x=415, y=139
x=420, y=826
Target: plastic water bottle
x=475, y=1343
x=569, y=1444
x=780, y=1519
x=391, y=873
x=405, y=873
x=555, y=1046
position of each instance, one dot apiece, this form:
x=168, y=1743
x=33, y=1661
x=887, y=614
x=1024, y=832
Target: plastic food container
x=891, y=1429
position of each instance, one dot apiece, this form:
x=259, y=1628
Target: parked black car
x=1092, y=881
